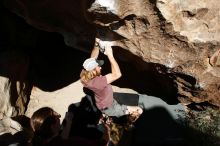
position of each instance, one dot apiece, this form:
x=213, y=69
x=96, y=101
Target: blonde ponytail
x=85, y=75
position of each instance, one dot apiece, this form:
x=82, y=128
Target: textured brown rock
x=179, y=36
x=172, y=33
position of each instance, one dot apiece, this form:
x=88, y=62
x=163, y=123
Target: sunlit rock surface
x=197, y=20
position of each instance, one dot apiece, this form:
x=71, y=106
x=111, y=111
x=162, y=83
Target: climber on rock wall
x=92, y=79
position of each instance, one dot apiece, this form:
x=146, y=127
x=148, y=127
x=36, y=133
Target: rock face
x=197, y=21
x=176, y=40
x=14, y=89
x=182, y=36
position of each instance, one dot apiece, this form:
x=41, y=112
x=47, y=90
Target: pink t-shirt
x=103, y=91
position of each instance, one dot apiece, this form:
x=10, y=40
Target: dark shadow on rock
x=156, y=127
x=54, y=65
x=51, y=64
x=85, y=119
x=53, y=15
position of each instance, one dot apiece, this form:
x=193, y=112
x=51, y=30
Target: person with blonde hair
x=92, y=79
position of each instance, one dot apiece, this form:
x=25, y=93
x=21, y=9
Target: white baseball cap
x=91, y=63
